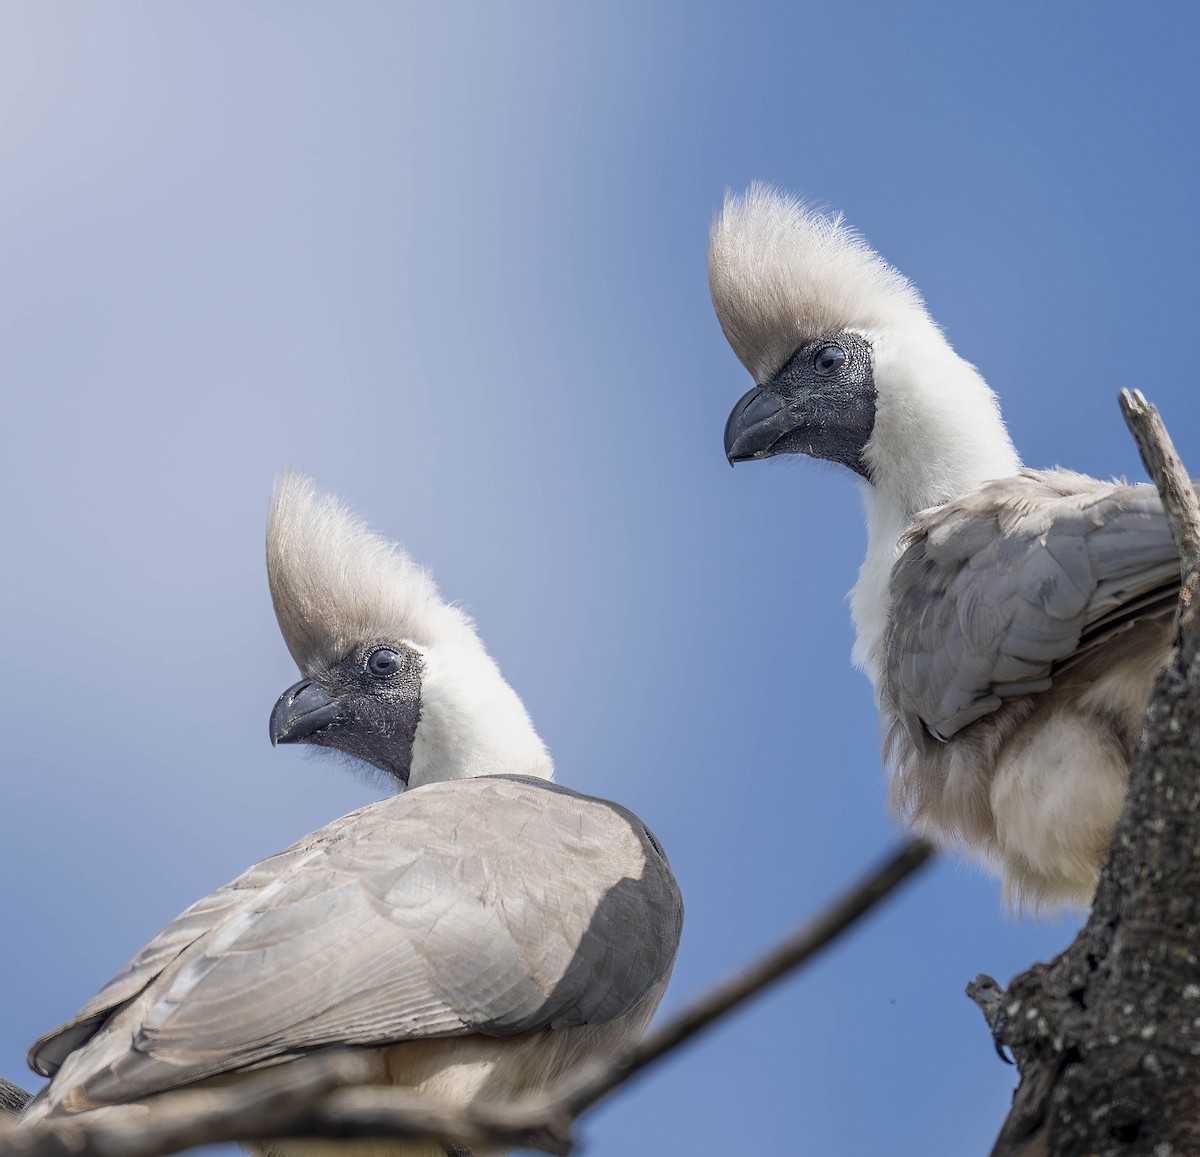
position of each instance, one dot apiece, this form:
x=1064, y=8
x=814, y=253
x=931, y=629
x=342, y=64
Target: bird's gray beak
x=303, y=710
x=756, y=423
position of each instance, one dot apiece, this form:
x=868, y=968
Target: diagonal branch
x=798, y=948
x=322, y=1097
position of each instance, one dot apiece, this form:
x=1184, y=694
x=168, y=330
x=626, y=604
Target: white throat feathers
x=337, y=586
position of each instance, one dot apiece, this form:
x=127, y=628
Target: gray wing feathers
x=48, y=1053
x=998, y=591
x=494, y=905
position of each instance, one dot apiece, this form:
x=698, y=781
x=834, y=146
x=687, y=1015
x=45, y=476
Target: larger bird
x=1011, y=621
x=480, y=935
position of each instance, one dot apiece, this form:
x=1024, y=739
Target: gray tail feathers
x=12, y=1098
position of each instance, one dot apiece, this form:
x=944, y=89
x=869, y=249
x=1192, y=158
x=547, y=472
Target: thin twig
x=307, y=1098
x=188, y=1117
x=1175, y=488
x=783, y=959
x=310, y=1098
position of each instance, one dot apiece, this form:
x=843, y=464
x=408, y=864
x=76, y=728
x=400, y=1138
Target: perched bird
x=482, y=933
x=1011, y=621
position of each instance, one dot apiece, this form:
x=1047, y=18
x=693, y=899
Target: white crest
x=336, y=584
x=782, y=273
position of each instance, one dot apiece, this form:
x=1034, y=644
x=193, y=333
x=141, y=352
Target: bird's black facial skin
x=368, y=706
x=822, y=403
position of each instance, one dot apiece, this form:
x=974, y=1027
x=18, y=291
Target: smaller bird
x=1011, y=621
x=480, y=935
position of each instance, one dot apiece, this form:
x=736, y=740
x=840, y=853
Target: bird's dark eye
x=384, y=663
x=829, y=359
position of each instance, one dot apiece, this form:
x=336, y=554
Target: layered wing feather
x=48, y=1053
x=499, y=905
x=998, y=591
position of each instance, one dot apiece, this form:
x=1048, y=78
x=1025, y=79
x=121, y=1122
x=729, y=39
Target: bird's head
x=847, y=363
x=393, y=674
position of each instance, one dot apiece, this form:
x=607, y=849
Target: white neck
x=938, y=434
x=472, y=722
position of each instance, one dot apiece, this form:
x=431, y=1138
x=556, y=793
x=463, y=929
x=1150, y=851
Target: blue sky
x=450, y=260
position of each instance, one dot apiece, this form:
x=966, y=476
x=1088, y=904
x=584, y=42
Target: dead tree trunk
x=12, y=1097
x=1107, y=1036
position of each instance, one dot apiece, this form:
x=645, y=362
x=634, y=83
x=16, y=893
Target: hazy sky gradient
x=450, y=260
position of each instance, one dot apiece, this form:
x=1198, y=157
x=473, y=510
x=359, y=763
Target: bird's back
x=488, y=908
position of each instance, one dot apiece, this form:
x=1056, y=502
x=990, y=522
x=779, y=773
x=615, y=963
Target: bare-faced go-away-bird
x=1011, y=621
x=479, y=936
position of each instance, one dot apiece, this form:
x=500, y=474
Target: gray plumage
x=419, y=916
x=1045, y=593
x=482, y=935
x=1011, y=621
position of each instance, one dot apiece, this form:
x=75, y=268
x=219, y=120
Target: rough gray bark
x=13, y=1098
x=1107, y=1036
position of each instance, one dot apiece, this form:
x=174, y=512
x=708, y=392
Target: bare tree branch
x=13, y=1098
x=1107, y=1035
x=1174, y=488
x=801, y=946
x=1168, y=474
x=314, y=1098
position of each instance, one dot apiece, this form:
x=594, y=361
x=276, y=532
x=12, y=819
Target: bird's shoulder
x=996, y=590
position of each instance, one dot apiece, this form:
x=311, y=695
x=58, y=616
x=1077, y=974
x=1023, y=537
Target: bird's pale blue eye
x=383, y=663
x=829, y=359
